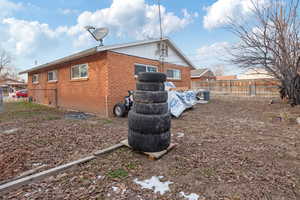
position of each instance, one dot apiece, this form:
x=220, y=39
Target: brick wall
x=86, y=94
x=121, y=75
x=111, y=75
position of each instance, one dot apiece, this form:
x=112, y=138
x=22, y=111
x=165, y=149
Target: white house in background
x=255, y=73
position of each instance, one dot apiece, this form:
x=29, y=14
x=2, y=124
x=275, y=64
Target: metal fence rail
x=261, y=88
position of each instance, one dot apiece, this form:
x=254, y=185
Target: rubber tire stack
x=149, y=121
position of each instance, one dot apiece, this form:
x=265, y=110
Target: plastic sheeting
x=180, y=101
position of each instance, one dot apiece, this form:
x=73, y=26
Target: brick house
x=202, y=74
x=96, y=79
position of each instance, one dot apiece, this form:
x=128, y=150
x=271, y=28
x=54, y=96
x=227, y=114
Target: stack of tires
x=149, y=121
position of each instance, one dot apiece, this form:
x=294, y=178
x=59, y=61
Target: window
x=52, y=76
x=174, y=74
x=79, y=71
x=144, y=68
x=35, y=78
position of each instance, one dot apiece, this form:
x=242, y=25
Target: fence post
x=254, y=88
x=208, y=85
x=1, y=100
x=56, y=98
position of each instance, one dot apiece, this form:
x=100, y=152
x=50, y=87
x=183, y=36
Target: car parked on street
x=22, y=94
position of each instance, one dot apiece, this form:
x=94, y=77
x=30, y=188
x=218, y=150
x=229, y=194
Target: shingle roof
x=199, y=72
x=95, y=50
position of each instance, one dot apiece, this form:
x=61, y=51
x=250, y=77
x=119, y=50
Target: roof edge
x=78, y=55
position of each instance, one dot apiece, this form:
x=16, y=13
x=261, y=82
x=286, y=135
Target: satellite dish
x=97, y=33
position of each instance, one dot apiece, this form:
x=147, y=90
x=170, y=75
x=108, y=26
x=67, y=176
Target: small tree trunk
x=290, y=89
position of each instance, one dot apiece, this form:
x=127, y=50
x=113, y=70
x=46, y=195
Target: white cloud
x=215, y=55
x=132, y=18
x=8, y=7
x=214, y=50
x=221, y=11
x=25, y=37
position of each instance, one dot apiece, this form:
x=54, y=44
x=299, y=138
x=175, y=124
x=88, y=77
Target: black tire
x=150, y=86
x=150, y=109
x=152, y=77
x=119, y=110
x=150, y=96
x=149, y=143
x=149, y=124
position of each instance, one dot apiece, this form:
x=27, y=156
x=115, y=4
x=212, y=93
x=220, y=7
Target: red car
x=22, y=93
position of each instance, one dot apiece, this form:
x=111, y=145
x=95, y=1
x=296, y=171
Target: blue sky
x=45, y=30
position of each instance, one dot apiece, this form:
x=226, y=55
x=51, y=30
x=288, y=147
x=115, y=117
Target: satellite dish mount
x=97, y=33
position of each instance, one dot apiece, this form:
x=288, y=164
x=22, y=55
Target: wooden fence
x=255, y=87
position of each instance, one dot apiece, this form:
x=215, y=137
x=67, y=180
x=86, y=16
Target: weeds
x=118, y=173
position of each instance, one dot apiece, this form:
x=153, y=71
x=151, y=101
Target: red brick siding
x=121, y=75
x=111, y=75
x=86, y=95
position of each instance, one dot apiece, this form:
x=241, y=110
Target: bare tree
x=5, y=61
x=271, y=41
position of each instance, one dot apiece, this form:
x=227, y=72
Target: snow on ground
x=179, y=134
x=10, y=131
x=192, y=196
x=154, y=183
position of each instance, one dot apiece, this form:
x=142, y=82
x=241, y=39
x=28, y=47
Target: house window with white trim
x=52, y=76
x=79, y=71
x=144, y=68
x=174, y=74
x=35, y=78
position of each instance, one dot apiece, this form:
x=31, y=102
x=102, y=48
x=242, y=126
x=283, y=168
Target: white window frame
x=145, y=66
x=174, y=78
x=80, y=65
x=55, y=72
x=37, y=78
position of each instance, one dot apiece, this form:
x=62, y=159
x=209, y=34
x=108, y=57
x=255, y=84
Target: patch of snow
x=202, y=102
x=192, y=196
x=99, y=177
x=154, y=183
x=36, y=164
x=180, y=135
x=115, y=189
x=298, y=120
x=11, y=131
x=108, y=194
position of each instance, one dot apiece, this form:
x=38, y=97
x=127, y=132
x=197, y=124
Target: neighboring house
x=11, y=85
x=202, y=74
x=255, y=73
x=96, y=79
x=226, y=78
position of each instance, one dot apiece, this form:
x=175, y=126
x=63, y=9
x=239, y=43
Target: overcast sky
x=45, y=30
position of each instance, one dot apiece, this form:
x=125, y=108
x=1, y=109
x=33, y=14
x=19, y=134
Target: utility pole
x=161, y=45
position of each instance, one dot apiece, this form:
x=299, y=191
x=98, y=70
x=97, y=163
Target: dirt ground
x=227, y=149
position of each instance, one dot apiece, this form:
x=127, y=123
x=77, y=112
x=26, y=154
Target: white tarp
x=180, y=101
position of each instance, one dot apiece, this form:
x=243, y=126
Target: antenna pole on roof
x=161, y=56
